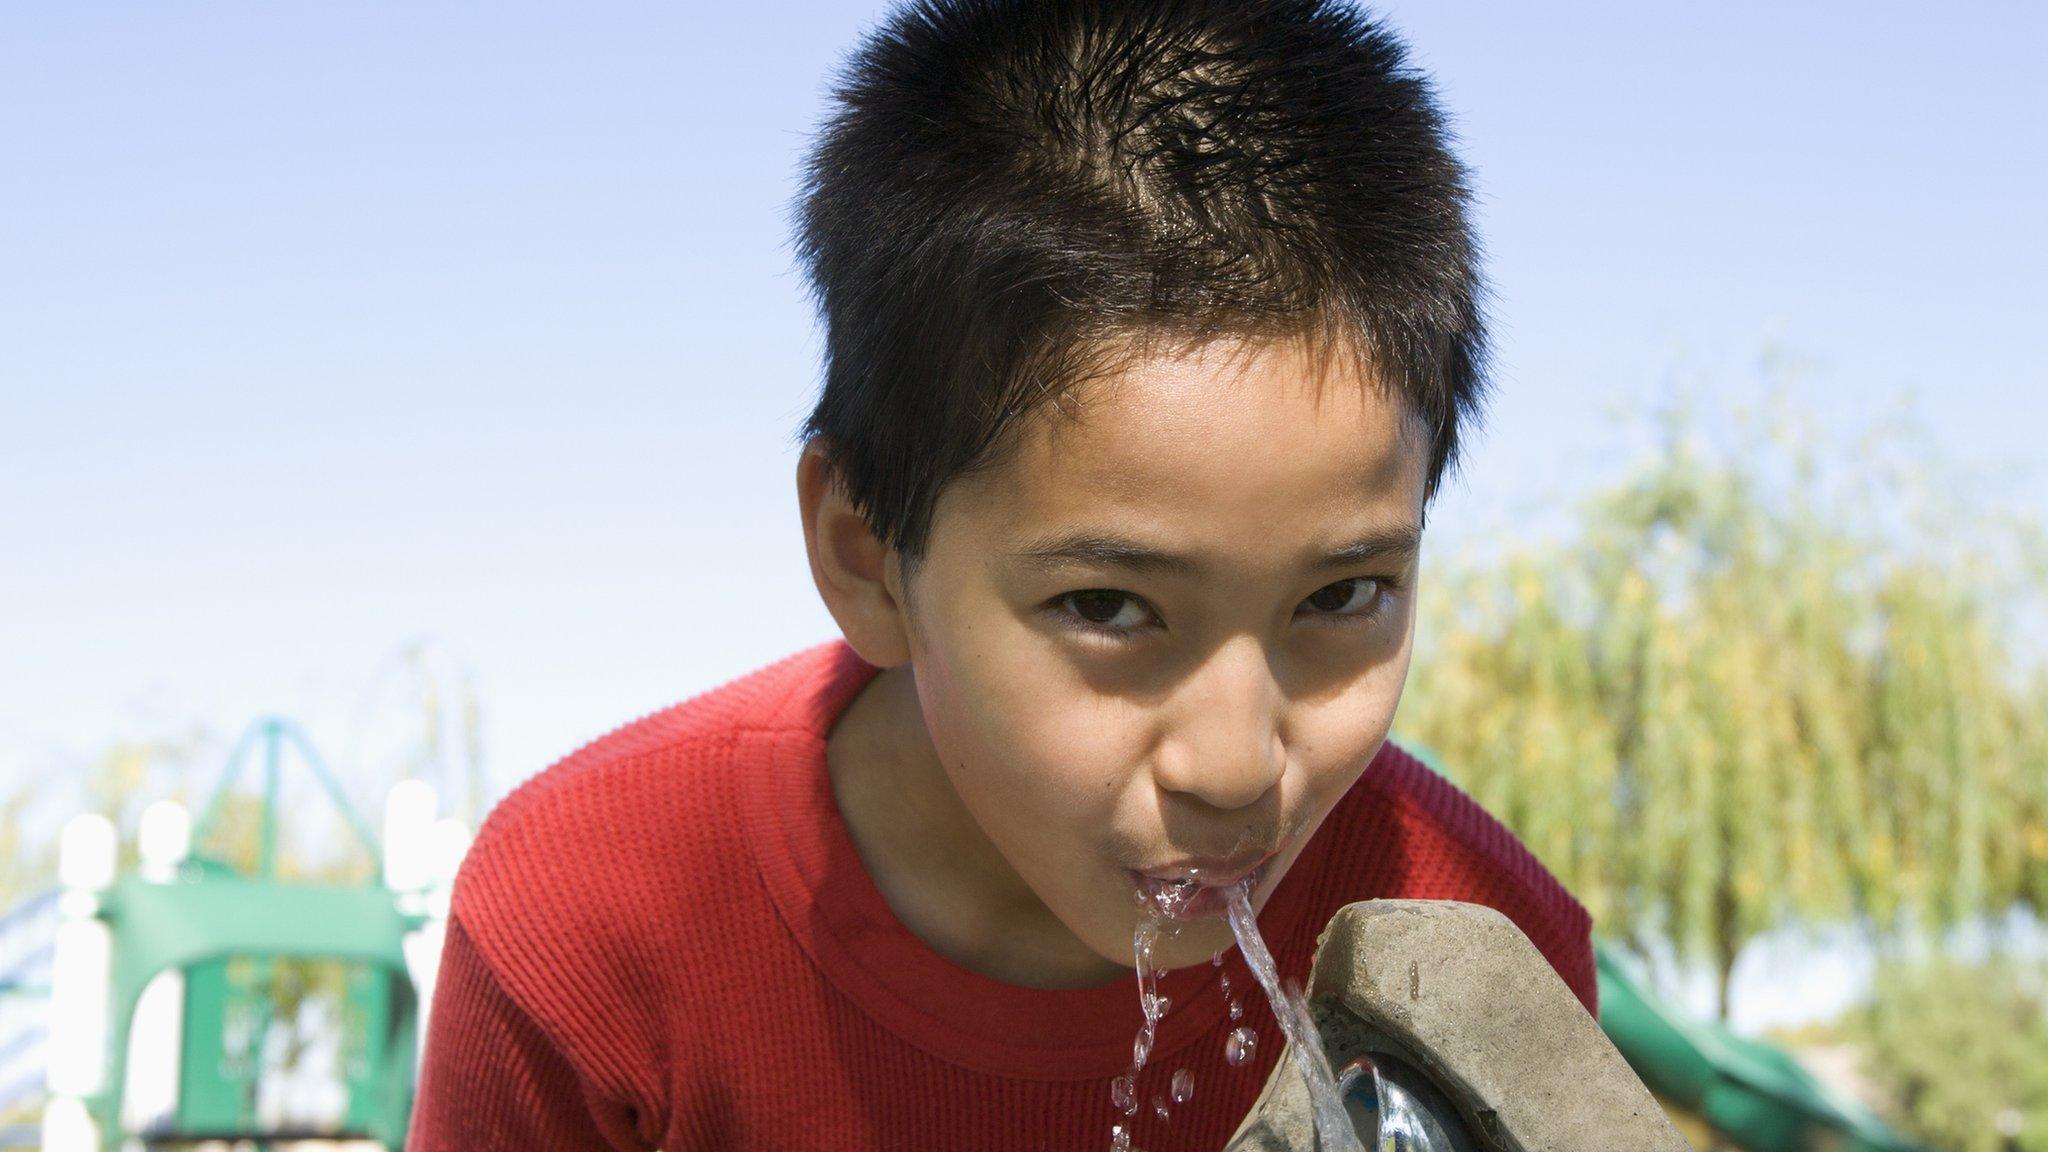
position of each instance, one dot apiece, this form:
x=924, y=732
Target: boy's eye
x=1106, y=609
x=1358, y=596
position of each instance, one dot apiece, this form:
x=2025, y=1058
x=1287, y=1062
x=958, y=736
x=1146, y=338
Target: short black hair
x=1004, y=185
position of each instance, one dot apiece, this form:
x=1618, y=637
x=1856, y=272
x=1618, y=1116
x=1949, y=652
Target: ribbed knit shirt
x=667, y=940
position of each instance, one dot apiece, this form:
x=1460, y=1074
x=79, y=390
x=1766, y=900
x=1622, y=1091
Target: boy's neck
x=936, y=869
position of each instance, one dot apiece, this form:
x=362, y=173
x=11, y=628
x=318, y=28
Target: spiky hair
x=1006, y=187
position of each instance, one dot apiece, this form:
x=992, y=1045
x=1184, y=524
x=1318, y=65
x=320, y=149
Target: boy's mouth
x=1194, y=890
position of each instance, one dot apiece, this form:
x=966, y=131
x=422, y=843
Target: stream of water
x=1333, y=1127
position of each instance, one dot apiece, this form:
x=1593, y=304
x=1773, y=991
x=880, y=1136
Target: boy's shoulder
x=1451, y=848
x=1458, y=820
x=571, y=867
x=624, y=779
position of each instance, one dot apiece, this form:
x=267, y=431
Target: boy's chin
x=1179, y=943
x=1183, y=944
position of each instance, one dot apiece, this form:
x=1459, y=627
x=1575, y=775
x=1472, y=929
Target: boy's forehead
x=1224, y=432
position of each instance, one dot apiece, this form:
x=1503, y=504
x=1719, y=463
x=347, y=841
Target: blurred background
x=425, y=377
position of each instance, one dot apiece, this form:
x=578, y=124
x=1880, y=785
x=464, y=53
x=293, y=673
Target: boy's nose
x=1225, y=746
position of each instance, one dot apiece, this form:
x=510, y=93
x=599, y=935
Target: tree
x=1961, y=1050
x=1740, y=696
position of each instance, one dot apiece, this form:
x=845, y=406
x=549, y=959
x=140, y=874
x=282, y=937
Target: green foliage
x=1961, y=1050
x=1736, y=698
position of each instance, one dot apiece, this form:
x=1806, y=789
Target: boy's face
x=1173, y=626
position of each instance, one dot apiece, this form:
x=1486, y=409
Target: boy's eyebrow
x=1400, y=541
x=1393, y=542
x=1105, y=552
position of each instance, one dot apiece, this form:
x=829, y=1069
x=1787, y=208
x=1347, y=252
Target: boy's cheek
x=1341, y=745
x=1063, y=769
x=1019, y=718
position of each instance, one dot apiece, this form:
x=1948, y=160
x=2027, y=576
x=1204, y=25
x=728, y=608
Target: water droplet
x=1183, y=1086
x=1155, y=1005
x=1225, y=978
x=1216, y=961
x=1141, y=1049
x=1240, y=1047
x=1119, y=1138
x=1236, y=1009
x=1123, y=1092
x=1159, y=1107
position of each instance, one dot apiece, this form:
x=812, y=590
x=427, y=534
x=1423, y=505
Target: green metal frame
x=1754, y=1093
x=195, y=925
x=209, y=915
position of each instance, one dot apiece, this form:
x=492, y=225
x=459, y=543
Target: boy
x=1151, y=325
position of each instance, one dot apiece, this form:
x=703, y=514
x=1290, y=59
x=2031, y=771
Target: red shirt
x=667, y=940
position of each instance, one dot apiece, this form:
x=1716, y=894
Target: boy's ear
x=858, y=575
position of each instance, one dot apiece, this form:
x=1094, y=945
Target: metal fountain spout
x=1450, y=1032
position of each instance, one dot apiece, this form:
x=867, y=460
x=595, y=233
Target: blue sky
x=324, y=328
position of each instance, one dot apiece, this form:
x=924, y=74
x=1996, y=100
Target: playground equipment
x=1751, y=1094
x=27, y=933
x=161, y=997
